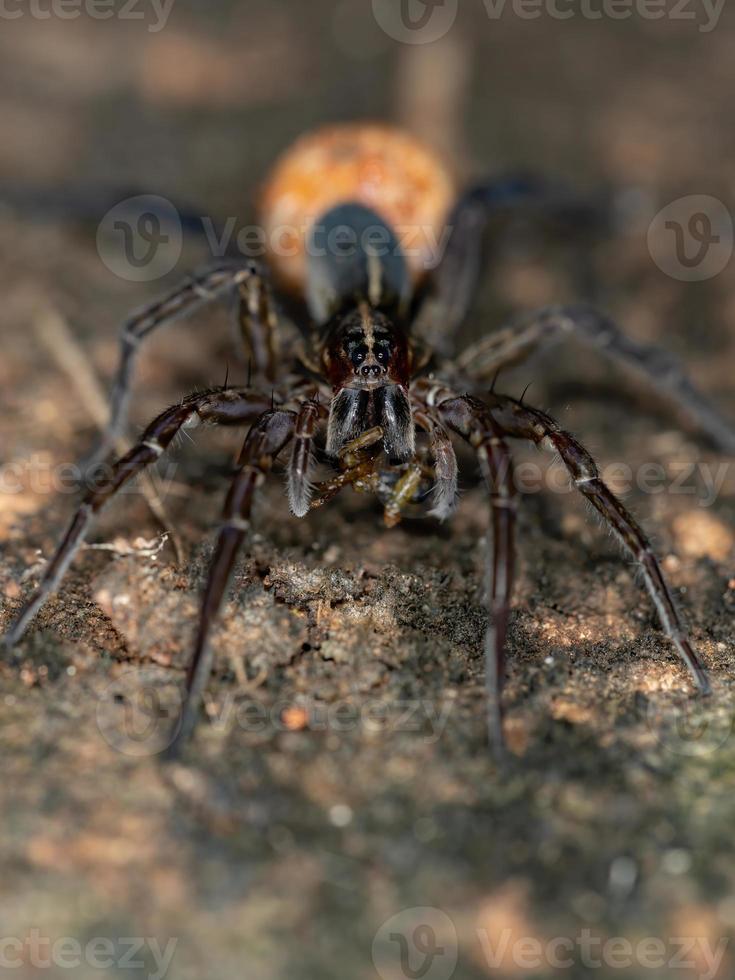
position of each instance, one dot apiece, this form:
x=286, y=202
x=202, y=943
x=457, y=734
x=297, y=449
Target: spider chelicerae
x=366, y=380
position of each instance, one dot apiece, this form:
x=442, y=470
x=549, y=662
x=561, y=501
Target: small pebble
x=623, y=874
x=677, y=861
x=340, y=815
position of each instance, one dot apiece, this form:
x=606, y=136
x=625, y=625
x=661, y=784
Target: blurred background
x=285, y=854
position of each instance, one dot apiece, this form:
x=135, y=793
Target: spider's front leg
x=268, y=436
x=472, y=420
x=542, y=328
x=224, y=406
x=518, y=421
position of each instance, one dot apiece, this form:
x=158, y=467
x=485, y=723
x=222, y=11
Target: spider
x=359, y=384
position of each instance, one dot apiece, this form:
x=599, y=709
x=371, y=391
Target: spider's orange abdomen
x=380, y=167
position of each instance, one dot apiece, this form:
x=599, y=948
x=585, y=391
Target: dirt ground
x=344, y=779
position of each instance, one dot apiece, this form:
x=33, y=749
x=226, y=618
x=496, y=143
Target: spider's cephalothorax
x=366, y=359
x=386, y=265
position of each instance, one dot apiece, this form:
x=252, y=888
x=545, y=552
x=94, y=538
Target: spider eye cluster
x=357, y=353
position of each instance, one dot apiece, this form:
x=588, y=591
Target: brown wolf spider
x=361, y=371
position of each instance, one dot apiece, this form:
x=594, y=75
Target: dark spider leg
x=482, y=360
x=198, y=290
x=474, y=422
x=444, y=496
x=232, y=406
x=298, y=480
x=526, y=423
x=269, y=434
x=259, y=323
x=456, y=279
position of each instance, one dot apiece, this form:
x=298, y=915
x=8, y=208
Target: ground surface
x=345, y=777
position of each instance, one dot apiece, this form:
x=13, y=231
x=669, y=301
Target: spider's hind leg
x=198, y=290
x=480, y=209
x=481, y=360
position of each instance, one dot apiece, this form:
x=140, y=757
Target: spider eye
x=358, y=354
x=382, y=356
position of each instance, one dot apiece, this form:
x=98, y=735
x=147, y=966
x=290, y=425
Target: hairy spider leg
x=472, y=420
x=522, y=422
x=196, y=291
x=299, y=485
x=455, y=281
x=444, y=495
x=268, y=436
x=230, y=406
x=542, y=328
